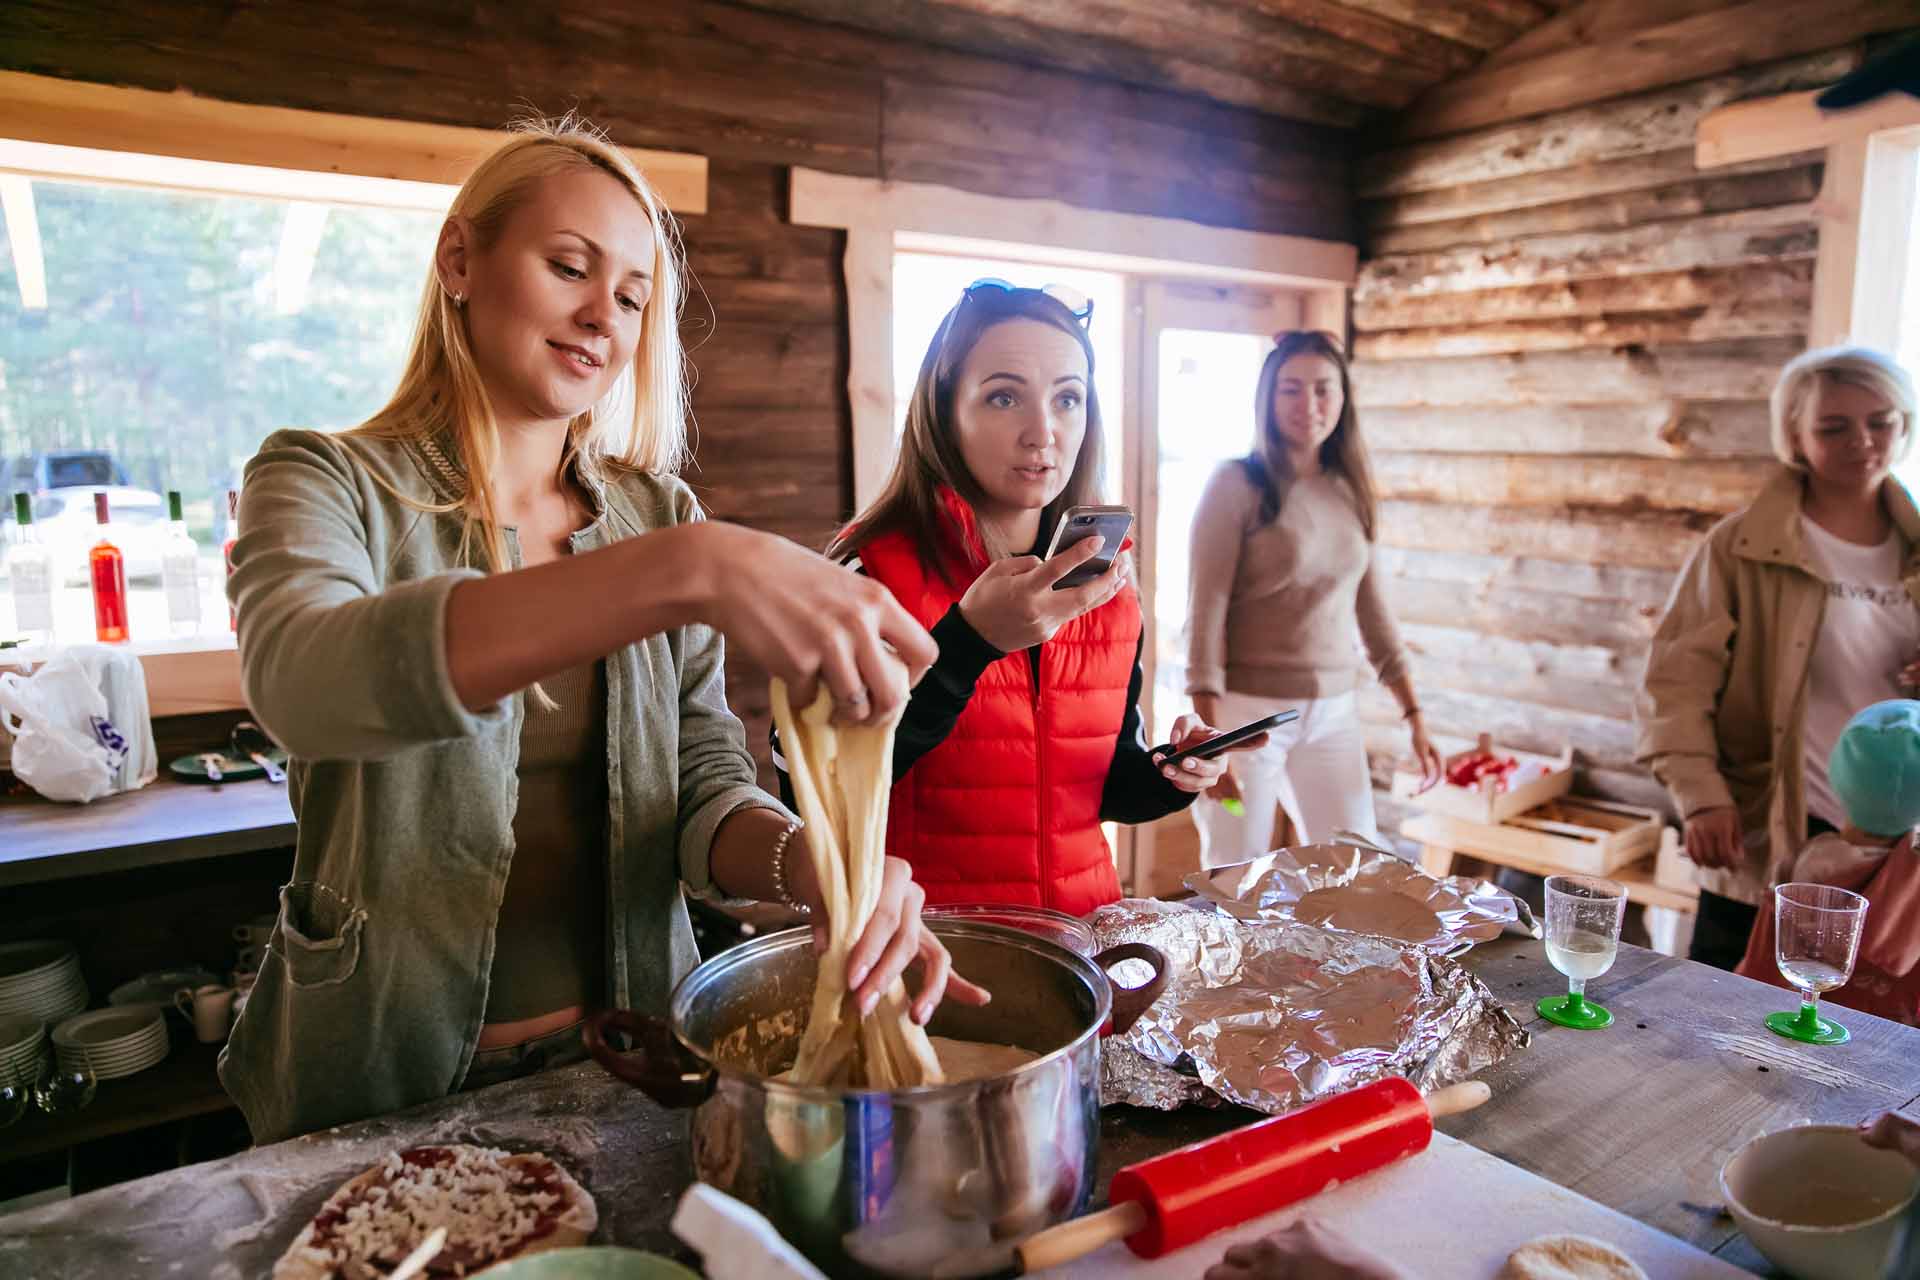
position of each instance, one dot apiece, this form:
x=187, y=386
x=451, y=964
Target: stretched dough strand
x=841, y=779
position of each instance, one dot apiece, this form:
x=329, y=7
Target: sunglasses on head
x=1078, y=304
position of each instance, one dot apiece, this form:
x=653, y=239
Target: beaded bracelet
x=782, y=892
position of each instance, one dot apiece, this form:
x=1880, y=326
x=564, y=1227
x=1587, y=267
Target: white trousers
x=1315, y=768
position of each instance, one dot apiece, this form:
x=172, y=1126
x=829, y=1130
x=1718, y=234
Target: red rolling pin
x=1170, y=1201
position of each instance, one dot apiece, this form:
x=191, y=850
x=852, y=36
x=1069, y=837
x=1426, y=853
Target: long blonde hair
x=640, y=424
x=1343, y=452
x=929, y=460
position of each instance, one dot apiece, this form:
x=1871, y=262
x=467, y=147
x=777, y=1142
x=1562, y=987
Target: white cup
x=211, y=1008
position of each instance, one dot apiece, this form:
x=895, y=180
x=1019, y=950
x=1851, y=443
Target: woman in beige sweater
x=1282, y=587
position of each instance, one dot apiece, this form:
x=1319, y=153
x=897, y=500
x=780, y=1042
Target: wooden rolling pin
x=1172, y=1200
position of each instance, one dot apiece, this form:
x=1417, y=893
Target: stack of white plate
x=40, y=979
x=112, y=1042
x=23, y=1043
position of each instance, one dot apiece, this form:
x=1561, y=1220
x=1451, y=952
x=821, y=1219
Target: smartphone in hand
x=1110, y=524
x=1230, y=739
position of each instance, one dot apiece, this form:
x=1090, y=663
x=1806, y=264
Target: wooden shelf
x=184, y=1085
x=164, y=822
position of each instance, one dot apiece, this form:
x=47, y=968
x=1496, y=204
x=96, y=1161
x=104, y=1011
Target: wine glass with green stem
x=1583, y=934
x=1816, y=939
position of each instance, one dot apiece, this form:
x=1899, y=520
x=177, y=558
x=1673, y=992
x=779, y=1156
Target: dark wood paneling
x=755, y=92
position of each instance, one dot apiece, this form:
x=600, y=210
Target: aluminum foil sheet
x=1273, y=1014
x=1355, y=890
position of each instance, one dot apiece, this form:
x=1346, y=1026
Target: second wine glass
x=1583, y=934
x=1815, y=941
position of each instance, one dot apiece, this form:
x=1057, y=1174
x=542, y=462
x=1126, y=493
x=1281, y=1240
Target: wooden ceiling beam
x=1278, y=89
x=1415, y=46
x=1228, y=37
x=1470, y=26
x=1702, y=44
x=1595, y=22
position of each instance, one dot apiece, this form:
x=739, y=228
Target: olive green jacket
x=1721, y=709
x=374, y=985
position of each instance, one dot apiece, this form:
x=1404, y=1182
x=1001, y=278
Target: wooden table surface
x=165, y=821
x=1640, y=1116
x=1637, y=1117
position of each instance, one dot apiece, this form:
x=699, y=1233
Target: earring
x=459, y=299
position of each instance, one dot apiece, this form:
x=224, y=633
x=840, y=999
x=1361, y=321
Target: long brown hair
x=929, y=460
x=1343, y=452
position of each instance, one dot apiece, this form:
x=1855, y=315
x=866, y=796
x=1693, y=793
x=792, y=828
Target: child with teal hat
x=1875, y=773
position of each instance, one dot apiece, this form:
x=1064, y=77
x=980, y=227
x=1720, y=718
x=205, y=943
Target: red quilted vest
x=1007, y=809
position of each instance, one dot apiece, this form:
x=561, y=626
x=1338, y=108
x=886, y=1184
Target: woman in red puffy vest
x=1026, y=735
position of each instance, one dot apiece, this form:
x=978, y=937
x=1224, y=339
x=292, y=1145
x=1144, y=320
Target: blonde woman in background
x=1793, y=615
x=487, y=625
x=1283, y=595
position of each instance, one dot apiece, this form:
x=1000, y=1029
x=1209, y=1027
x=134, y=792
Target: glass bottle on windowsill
x=180, y=571
x=30, y=574
x=109, y=574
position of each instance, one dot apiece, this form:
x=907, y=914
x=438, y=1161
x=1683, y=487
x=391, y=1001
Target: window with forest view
x=150, y=338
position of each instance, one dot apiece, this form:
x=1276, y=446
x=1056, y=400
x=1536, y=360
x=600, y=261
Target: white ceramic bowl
x=1817, y=1201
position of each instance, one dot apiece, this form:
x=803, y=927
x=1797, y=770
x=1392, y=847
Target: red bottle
x=109, y=581
x=226, y=552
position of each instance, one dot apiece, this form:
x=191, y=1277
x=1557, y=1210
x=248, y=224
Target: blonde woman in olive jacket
x=1791, y=616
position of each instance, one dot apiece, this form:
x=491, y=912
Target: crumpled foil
x=1273, y=1014
x=1366, y=891
x=1128, y=1076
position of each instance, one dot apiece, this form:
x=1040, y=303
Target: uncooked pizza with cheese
x=494, y=1205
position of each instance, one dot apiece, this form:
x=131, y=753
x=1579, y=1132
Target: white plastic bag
x=80, y=725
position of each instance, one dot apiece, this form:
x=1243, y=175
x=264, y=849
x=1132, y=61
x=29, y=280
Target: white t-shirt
x=1871, y=630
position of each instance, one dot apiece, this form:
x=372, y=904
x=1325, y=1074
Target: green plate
x=190, y=768
x=594, y=1262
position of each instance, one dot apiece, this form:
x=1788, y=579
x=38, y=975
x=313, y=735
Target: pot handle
x=1130, y=1002
x=658, y=1065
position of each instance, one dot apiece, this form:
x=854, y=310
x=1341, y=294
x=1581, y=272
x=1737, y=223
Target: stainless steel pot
x=940, y=1181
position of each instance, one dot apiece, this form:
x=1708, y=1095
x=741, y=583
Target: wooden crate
x=1487, y=802
x=1573, y=834
x=1673, y=869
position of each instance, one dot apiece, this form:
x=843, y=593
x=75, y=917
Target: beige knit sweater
x=1277, y=610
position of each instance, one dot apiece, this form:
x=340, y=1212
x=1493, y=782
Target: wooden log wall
x=1564, y=338
x=755, y=92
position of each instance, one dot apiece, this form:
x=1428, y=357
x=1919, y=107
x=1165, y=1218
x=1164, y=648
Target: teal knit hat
x=1875, y=768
